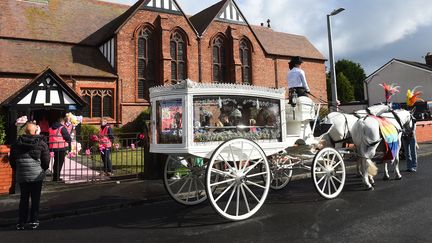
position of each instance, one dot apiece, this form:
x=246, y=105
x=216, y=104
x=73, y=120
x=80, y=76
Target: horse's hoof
x=370, y=188
x=386, y=178
x=373, y=185
x=398, y=178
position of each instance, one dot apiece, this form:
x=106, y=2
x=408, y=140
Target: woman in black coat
x=29, y=157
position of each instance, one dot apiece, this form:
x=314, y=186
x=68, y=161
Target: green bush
x=86, y=132
x=137, y=125
x=141, y=120
x=2, y=128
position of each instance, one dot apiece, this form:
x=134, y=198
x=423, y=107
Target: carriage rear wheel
x=281, y=171
x=328, y=173
x=184, y=179
x=238, y=179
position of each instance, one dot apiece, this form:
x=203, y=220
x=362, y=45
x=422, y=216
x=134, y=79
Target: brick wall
x=5, y=178
x=263, y=73
x=163, y=24
x=315, y=75
x=424, y=131
x=5, y=174
x=11, y=84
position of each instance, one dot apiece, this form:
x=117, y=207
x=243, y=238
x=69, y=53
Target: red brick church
x=98, y=59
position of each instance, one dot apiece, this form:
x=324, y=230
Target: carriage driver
x=296, y=78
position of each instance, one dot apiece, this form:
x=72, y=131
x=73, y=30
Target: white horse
x=340, y=131
x=366, y=136
x=343, y=123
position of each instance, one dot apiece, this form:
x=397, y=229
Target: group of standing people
x=30, y=159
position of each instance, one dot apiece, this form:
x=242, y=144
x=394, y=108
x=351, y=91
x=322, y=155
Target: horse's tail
x=372, y=169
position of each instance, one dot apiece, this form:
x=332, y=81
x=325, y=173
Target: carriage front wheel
x=328, y=173
x=184, y=179
x=237, y=179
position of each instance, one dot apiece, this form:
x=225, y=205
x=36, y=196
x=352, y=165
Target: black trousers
x=59, y=158
x=29, y=190
x=106, y=159
x=300, y=91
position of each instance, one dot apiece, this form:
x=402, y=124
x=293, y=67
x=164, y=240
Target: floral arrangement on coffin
x=262, y=134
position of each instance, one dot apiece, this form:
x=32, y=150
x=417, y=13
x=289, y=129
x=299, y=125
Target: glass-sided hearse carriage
x=231, y=143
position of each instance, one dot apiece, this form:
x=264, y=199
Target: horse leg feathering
x=365, y=166
x=371, y=168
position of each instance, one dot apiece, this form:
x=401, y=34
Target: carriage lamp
x=294, y=99
x=294, y=102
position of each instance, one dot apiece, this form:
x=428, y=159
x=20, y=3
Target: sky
x=368, y=32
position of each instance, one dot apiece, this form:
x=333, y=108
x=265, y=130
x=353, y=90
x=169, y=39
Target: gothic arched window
x=100, y=103
x=246, y=62
x=146, y=70
x=178, y=57
x=219, y=60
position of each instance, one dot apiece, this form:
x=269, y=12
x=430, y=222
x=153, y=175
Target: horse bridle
x=399, y=121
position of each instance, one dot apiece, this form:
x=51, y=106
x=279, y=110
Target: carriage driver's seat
x=304, y=109
x=298, y=117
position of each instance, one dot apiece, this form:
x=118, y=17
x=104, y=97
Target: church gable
x=231, y=13
x=47, y=90
x=162, y=5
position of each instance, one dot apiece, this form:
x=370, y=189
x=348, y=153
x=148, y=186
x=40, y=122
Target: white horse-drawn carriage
x=231, y=143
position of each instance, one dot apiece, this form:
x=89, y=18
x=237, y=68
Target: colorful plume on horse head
x=413, y=97
x=389, y=90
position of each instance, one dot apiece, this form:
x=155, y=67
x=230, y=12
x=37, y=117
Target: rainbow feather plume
x=413, y=96
x=389, y=90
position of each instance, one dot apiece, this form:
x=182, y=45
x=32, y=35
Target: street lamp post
x=332, y=67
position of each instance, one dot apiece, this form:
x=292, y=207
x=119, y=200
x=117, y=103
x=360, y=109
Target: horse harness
x=396, y=117
x=346, y=134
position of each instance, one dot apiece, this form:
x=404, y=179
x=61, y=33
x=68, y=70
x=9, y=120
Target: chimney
x=428, y=59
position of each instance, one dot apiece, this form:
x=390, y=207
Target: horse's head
x=406, y=118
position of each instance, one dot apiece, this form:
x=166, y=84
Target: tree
x=345, y=89
x=355, y=75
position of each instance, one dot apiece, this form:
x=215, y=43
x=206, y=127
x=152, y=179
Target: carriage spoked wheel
x=328, y=173
x=281, y=175
x=184, y=179
x=237, y=179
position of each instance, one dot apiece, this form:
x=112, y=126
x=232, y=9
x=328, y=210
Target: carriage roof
x=190, y=87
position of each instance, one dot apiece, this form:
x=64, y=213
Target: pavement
x=61, y=200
